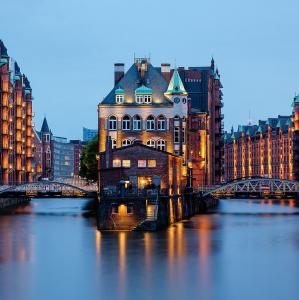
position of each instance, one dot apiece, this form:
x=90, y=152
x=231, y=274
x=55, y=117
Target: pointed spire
x=45, y=127
x=212, y=63
x=176, y=86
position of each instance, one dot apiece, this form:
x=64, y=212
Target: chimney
x=119, y=72
x=108, y=152
x=165, y=71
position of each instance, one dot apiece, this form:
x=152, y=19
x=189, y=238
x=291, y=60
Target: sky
x=67, y=49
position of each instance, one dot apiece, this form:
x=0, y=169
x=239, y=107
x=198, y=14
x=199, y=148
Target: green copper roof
x=296, y=99
x=119, y=91
x=278, y=124
x=3, y=61
x=17, y=77
x=143, y=90
x=176, y=86
x=216, y=76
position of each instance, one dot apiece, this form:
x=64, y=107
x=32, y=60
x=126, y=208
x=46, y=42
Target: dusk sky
x=68, y=48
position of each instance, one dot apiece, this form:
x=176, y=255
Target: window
x=136, y=123
x=126, y=163
x=176, y=134
x=150, y=143
x=183, y=135
x=116, y=163
x=177, y=117
x=147, y=99
x=114, y=143
x=161, y=145
x=141, y=163
x=150, y=123
x=119, y=98
x=112, y=124
x=151, y=163
x=161, y=123
x=126, y=123
x=126, y=142
x=139, y=99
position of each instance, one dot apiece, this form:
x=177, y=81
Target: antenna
x=249, y=119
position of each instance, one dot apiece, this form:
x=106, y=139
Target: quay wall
x=7, y=202
x=137, y=213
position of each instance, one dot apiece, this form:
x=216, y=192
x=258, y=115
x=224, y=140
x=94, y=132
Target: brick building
x=265, y=150
x=155, y=105
x=139, y=166
x=15, y=122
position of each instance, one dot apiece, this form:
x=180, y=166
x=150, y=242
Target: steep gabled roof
x=132, y=80
x=45, y=127
x=176, y=86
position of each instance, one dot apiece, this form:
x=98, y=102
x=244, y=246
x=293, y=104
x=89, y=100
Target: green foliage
x=88, y=161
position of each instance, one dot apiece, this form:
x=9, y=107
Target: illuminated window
x=141, y=163
x=126, y=142
x=126, y=163
x=112, y=124
x=161, y=145
x=116, y=163
x=136, y=123
x=119, y=98
x=126, y=123
x=114, y=143
x=176, y=134
x=150, y=143
x=151, y=163
x=161, y=123
x=150, y=123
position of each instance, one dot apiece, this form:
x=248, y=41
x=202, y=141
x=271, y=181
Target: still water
x=50, y=249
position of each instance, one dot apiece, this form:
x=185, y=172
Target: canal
x=50, y=249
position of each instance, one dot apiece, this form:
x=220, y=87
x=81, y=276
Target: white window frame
x=126, y=142
x=126, y=123
x=141, y=163
x=151, y=143
x=161, y=121
x=150, y=122
x=113, y=143
x=139, y=99
x=137, y=122
x=147, y=99
x=112, y=123
x=176, y=135
x=161, y=145
x=119, y=98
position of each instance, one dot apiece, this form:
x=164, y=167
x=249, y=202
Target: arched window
x=136, y=123
x=161, y=145
x=119, y=98
x=161, y=123
x=126, y=123
x=176, y=117
x=114, y=143
x=126, y=142
x=112, y=124
x=150, y=123
x=150, y=143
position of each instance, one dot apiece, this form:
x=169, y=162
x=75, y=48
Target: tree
x=88, y=161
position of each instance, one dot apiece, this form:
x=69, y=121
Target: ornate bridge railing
x=262, y=186
x=46, y=187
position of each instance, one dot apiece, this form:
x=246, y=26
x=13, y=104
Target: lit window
x=150, y=123
x=126, y=142
x=151, y=163
x=161, y=145
x=147, y=99
x=112, y=124
x=114, y=143
x=176, y=134
x=116, y=163
x=150, y=143
x=139, y=99
x=126, y=123
x=136, y=123
x=126, y=163
x=141, y=163
x=161, y=123
x=119, y=98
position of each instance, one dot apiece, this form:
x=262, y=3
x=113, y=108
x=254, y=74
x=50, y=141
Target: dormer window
x=119, y=98
x=143, y=94
x=119, y=95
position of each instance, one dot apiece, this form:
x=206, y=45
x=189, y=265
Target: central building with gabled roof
x=173, y=110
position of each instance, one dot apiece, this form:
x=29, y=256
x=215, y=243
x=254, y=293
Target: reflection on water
x=242, y=250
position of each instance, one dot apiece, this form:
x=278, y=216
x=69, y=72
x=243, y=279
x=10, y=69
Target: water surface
x=50, y=249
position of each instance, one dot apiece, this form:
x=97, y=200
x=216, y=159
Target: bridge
x=255, y=188
x=57, y=188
